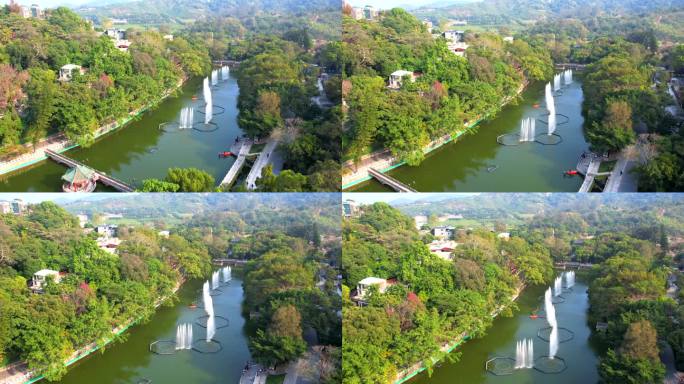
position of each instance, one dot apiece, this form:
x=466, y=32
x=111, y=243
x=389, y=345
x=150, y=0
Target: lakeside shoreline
x=384, y=161
x=24, y=376
x=59, y=143
x=415, y=369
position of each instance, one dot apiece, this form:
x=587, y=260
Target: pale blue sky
x=388, y=197
x=60, y=196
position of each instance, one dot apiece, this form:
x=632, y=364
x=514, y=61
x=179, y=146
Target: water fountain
x=569, y=279
x=186, y=118
x=227, y=274
x=215, y=280
x=527, y=129
x=524, y=354
x=209, y=309
x=558, y=286
x=184, y=336
x=557, y=82
x=551, y=319
x=208, y=109
x=551, y=107
x=567, y=76
x=225, y=72
x=214, y=77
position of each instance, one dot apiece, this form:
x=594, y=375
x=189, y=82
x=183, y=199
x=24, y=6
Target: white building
x=458, y=48
x=504, y=235
x=349, y=208
x=454, y=36
x=82, y=220
x=5, y=207
x=397, y=77
x=108, y=244
x=18, y=206
x=443, y=232
x=36, y=11
x=508, y=39
x=25, y=12
x=168, y=37
x=41, y=277
x=443, y=248
x=165, y=234
x=107, y=230
x=66, y=73
x=363, y=286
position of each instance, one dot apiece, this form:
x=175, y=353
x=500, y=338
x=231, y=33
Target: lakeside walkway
x=59, y=143
x=590, y=173
x=263, y=160
x=243, y=151
x=101, y=176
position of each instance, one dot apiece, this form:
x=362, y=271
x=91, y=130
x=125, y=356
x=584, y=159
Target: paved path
x=252, y=375
x=592, y=169
x=245, y=146
x=263, y=160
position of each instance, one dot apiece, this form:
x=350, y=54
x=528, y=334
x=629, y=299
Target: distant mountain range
x=170, y=11
x=528, y=9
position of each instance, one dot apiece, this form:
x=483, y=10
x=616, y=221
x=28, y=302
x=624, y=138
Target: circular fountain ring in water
x=500, y=366
x=564, y=334
x=163, y=347
x=202, y=346
x=201, y=127
x=546, y=139
x=544, y=364
x=221, y=322
x=144, y=381
x=555, y=299
x=221, y=110
x=509, y=139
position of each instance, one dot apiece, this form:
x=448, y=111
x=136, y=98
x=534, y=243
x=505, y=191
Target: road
x=263, y=160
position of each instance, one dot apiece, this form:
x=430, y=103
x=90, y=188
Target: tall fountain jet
x=557, y=82
x=209, y=309
x=569, y=279
x=524, y=354
x=215, y=281
x=551, y=107
x=567, y=75
x=209, y=108
x=214, y=77
x=558, y=286
x=227, y=274
x=225, y=72
x=551, y=319
x=186, y=117
x=527, y=129
x=184, y=336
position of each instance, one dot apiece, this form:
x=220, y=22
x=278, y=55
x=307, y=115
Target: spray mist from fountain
x=569, y=279
x=187, y=116
x=209, y=108
x=524, y=354
x=551, y=107
x=184, y=336
x=557, y=82
x=558, y=286
x=209, y=309
x=227, y=274
x=527, y=129
x=215, y=280
x=551, y=319
x=214, y=77
x=225, y=72
x=567, y=76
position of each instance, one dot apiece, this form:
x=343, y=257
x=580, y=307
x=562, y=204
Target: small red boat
x=194, y=97
x=535, y=106
x=571, y=172
x=225, y=154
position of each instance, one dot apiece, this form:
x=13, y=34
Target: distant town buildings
x=503, y=235
x=107, y=230
x=5, y=207
x=443, y=232
x=66, y=73
x=508, y=39
x=397, y=77
x=443, y=248
x=454, y=36
x=349, y=208
x=168, y=37
x=119, y=21
x=164, y=234
x=18, y=206
x=363, y=287
x=368, y=12
x=118, y=37
x=31, y=11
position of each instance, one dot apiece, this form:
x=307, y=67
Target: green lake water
x=462, y=166
x=141, y=150
x=579, y=353
x=131, y=361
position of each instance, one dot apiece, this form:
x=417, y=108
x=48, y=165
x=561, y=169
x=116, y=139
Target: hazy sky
x=388, y=4
x=47, y=3
x=60, y=196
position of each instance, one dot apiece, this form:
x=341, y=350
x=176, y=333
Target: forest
x=97, y=293
x=34, y=104
x=449, y=90
x=633, y=242
x=433, y=301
